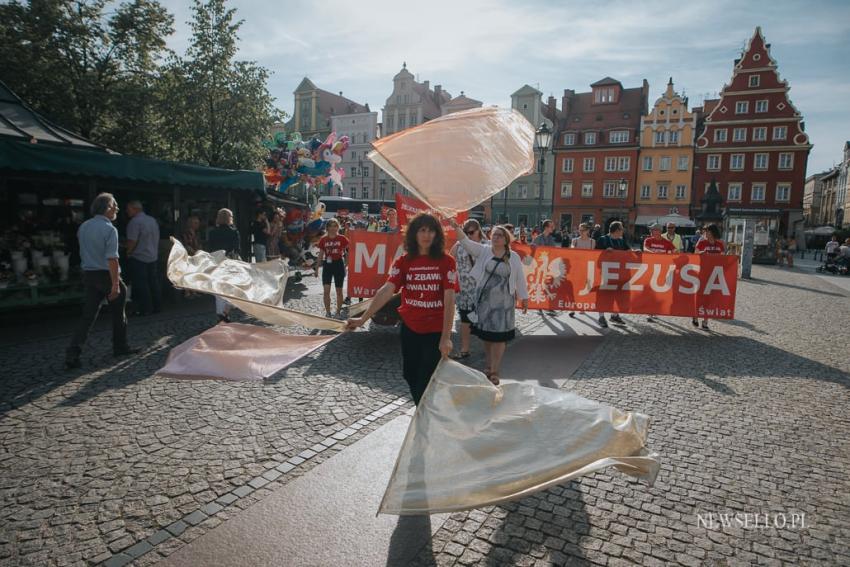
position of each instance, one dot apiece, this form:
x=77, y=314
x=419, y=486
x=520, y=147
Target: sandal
x=459, y=355
x=494, y=378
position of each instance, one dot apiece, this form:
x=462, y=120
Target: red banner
x=681, y=285
x=408, y=207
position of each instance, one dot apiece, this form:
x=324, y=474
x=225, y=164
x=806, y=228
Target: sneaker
x=328, y=315
x=125, y=350
x=651, y=319
x=602, y=322
x=694, y=322
x=617, y=319
x=572, y=314
x=347, y=301
x=705, y=325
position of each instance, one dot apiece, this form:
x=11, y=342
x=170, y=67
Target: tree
x=221, y=107
x=86, y=71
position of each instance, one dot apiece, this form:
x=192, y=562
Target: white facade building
x=360, y=175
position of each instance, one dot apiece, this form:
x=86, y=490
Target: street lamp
x=383, y=187
x=542, y=140
x=624, y=187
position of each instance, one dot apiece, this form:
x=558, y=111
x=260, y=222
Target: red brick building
x=751, y=141
x=596, y=151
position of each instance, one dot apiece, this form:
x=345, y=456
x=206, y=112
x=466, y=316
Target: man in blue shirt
x=101, y=279
x=614, y=240
x=143, y=253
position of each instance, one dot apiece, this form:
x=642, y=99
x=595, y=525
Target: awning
x=66, y=160
x=678, y=220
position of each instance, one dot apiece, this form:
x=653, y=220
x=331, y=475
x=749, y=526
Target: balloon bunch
x=313, y=162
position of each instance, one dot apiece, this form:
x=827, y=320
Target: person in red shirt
x=332, y=249
x=428, y=280
x=711, y=244
x=657, y=244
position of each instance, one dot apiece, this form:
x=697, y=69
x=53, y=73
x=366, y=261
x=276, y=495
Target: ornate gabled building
x=412, y=103
x=314, y=109
x=360, y=176
x=596, y=153
x=460, y=103
x=751, y=142
x=521, y=202
x=666, y=163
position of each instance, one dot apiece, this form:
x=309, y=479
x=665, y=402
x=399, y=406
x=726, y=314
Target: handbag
x=473, y=315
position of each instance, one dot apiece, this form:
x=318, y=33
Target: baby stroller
x=835, y=264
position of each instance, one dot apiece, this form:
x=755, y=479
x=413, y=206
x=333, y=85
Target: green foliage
x=105, y=71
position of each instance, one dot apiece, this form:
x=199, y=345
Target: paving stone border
x=197, y=517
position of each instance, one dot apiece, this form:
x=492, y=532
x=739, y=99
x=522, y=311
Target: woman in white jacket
x=499, y=282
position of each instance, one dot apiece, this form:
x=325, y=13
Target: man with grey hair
x=143, y=252
x=101, y=278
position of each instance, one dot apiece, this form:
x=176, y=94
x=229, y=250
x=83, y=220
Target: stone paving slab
x=326, y=517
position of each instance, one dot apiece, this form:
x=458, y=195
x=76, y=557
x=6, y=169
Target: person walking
x=143, y=253
x=832, y=248
x=275, y=233
x=711, y=244
x=614, y=240
x=585, y=242
x=260, y=230
x=499, y=280
x=225, y=238
x=674, y=238
x=427, y=278
x=546, y=238
x=466, y=298
x=332, y=250
x=98, y=240
x=655, y=243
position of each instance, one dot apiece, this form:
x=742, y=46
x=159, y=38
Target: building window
x=644, y=192
x=754, y=80
x=604, y=95
x=567, y=221
x=739, y=135
x=761, y=106
x=610, y=164
x=618, y=137
x=590, y=138
x=783, y=192
x=365, y=171
x=587, y=189
x=682, y=165
x=680, y=191
x=760, y=161
x=660, y=137
x=666, y=163
x=567, y=165
x=390, y=122
x=609, y=189
x=673, y=137
x=566, y=189
x=720, y=135
x=354, y=192
x=353, y=156
x=569, y=139
x=365, y=192
x=760, y=134
x=734, y=192
x=786, y=161
x=354, y=171
x=742, y=107
x=522, y=189
x=647, y=163
x=780, y=132
x=757, y=193
x=589, y=164
x=305, y=118
x=736, y=162
x=401, y=122
x=624, y=163
x=662, y=191
x=713, y=162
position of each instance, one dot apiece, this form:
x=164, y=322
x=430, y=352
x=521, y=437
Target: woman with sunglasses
x=466, y=297
x=583, y=242
x=499, y=281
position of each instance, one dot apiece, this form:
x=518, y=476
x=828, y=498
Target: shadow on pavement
x=799, y=287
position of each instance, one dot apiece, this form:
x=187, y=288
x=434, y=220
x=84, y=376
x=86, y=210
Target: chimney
x=551, y=103
x=427, y=85
x=340, y=93
x=438, y=89
x=565, y=101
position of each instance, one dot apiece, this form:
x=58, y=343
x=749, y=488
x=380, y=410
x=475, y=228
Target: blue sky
x=491, y=48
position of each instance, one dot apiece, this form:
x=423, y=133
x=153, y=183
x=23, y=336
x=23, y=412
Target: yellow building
x=666, y=161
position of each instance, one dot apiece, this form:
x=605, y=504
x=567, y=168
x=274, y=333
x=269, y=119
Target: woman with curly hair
x=427, y=278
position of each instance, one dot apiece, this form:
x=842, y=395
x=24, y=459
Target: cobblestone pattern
x=112, y=463
x=752, y=419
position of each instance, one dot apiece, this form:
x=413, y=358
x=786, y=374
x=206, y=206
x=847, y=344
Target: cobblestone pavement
x=113, y=464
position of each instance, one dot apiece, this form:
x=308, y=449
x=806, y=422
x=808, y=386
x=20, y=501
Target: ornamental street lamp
x=542, y=141
x=624, y=187
x=383, y=188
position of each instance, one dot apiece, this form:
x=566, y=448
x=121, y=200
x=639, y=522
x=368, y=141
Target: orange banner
x=682, y=285
x=408, y=207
